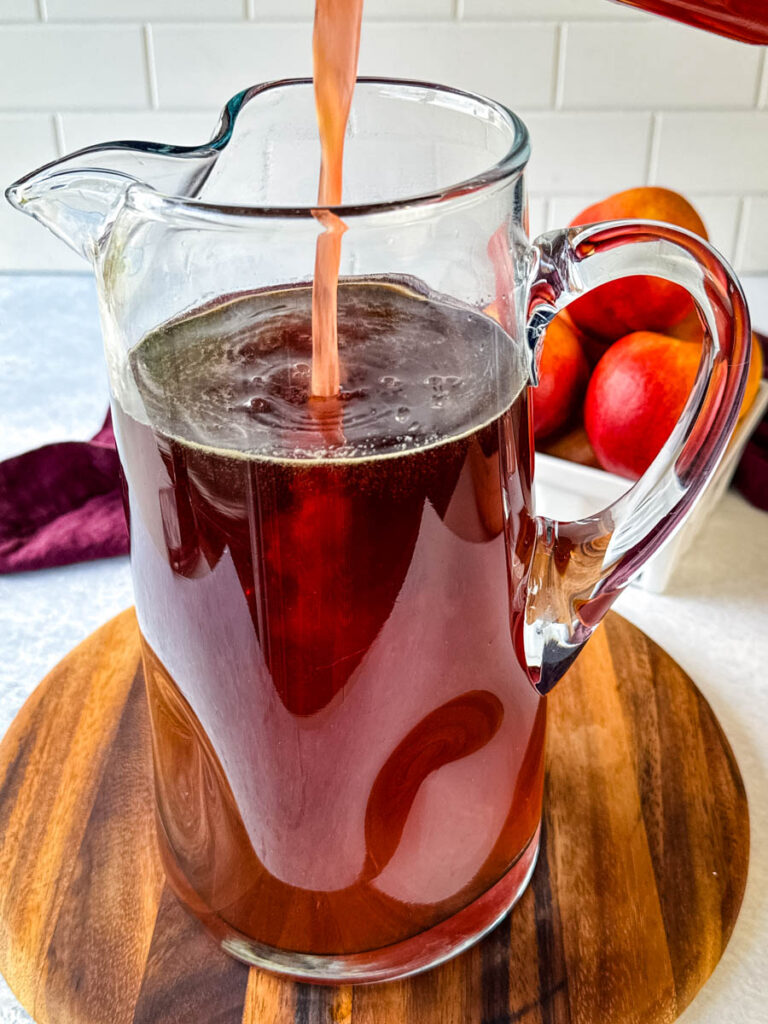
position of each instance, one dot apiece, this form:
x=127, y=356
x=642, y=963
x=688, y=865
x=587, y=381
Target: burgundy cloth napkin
x=62, y=503
x=752, y=475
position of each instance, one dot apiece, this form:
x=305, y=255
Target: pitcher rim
x=511, y=163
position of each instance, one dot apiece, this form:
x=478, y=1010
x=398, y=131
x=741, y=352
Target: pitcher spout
x=78, y=197
x=77, y=206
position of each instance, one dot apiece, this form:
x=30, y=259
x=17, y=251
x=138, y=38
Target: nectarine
x=563, y=376
x=690, y=330
x=635, y=397
x=636, y=303
x=754, y=376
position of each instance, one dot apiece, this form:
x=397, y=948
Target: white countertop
x=713, y=620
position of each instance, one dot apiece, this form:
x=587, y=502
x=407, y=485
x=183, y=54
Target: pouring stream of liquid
x=335, y=48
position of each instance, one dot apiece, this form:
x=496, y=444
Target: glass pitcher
x=350, y=614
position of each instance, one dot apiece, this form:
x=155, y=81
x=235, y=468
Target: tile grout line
x=42, y=10
x=548, y=213
x=654, y=145
x=761, y=100
x=558, y=86
x=549, y=219
x=740, y=240
x=149, y=58
x=58, y=128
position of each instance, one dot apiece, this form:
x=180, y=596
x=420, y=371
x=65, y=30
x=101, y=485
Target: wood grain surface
x=639, y=882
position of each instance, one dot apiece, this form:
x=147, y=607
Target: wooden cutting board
x=641, y=874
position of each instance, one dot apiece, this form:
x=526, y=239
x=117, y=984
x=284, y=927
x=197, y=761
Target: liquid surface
x=415, y=370
x=347, y=750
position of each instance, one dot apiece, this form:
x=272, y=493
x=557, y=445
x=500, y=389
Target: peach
x=636, y=303
x=691, y=330
x=687, y=329
x=754, y=376
x=635, y=397
x=563, y=376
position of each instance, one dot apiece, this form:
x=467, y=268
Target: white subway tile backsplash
x=391, y=10
x=754, y=255
x=582, y=152
x=657, y=64
x=47, y=67
x=27, y=245
x=26, y=142
x=546, y=9
x=205, y=66
x=537, y=215
x=714, y=152
x=134, y=10
x=513, y=64
x=281, y=10
x=178, y=128
x=720, y=215
x=762, y=96
x=18, y=10
x=102, y=65
x=228, y=58
x=562, y=209
x=407, y=9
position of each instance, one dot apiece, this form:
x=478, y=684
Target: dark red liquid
x=347, y=751
x=746, y=20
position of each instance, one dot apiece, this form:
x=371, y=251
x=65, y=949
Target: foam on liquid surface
x=416, y=369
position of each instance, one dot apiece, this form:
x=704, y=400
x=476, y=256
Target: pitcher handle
x=579, y=568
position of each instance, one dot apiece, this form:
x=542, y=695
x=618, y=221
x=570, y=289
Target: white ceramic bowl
x=567, y=490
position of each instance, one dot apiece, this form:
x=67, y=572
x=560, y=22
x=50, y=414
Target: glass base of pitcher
x=419, y=953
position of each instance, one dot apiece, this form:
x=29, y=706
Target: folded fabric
x=62, y=503
x=751, y=477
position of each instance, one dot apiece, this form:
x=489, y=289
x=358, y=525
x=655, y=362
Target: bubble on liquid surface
x=415, y=369
x=257, y=406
